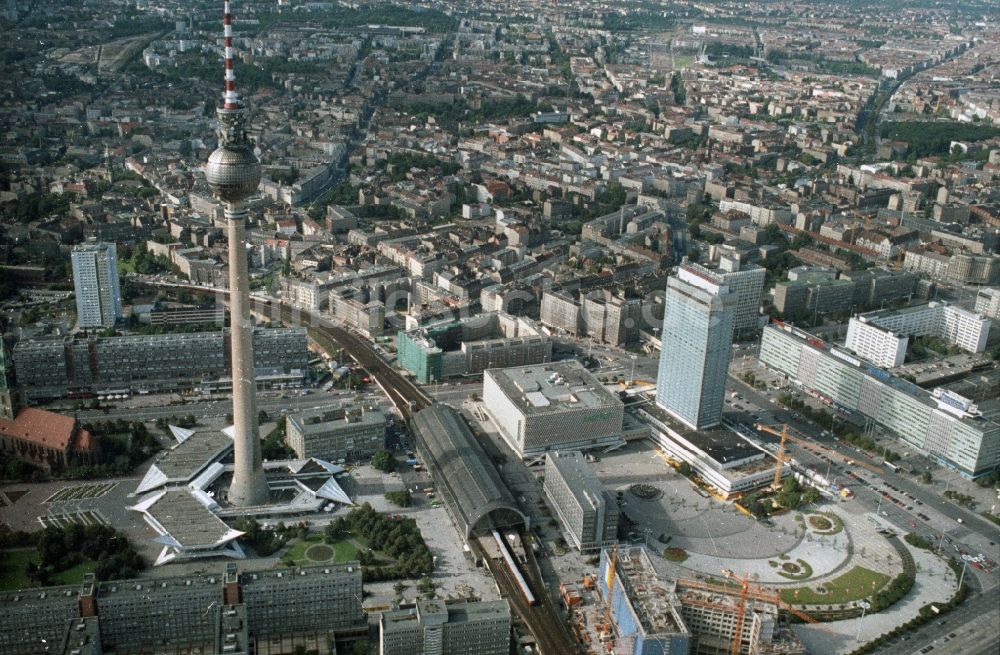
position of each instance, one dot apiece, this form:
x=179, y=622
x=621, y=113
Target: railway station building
x=476, y=497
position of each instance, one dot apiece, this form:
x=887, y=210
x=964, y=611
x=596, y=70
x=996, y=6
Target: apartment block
x=988, y=303
x=51, y=367
x=882, y=337
x=95, y=282
x=941, y=424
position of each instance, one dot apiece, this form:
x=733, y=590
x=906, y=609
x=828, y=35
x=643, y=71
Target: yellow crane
x=741, y=611
x=780, y=455
x=747, y=591
x=785, y=432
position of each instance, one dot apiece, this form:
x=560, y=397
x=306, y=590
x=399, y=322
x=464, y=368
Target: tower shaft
x=249, y=487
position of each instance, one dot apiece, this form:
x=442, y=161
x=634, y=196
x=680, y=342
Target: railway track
x=402, y=392
x=541, y=620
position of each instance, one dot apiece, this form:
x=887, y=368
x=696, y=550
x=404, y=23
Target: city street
x=974, y=532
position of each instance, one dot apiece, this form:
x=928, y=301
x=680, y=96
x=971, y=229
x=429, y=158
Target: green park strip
x=855, y=584
x=13, y=570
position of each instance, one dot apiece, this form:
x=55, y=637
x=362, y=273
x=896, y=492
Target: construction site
x=634, y=608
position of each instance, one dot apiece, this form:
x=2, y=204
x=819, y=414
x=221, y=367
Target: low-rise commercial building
x=587, y=512
x=720, y=457
x=446, y=627
x=346, y=431
x=941, y=424
x=550, y=407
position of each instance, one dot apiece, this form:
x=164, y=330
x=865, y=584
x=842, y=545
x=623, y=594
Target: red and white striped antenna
x=229, y=99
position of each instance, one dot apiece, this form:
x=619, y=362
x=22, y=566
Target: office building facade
x=348, y=431
x=95, y=282
x=988, y=303
x=940, y=424
x=438, y=627
x=471, y=345
x=746, y=282
x=697, y=339
x=587, y=512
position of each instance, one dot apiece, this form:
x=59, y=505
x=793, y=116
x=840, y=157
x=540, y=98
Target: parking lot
x=81, y=492
x=84, y=517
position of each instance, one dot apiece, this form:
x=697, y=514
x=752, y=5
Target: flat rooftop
x=431, y=612
x=327, y=417
x=721, y=444
x=577, y=474
x=877, y=315
x=189, y=522
x=553, y=387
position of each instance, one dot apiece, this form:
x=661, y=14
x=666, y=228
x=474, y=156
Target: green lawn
x=344, y=551
x=13, y=562
x=855, y=584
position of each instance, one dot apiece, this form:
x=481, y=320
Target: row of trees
x=62, y=548
x=397, y=538
x=267, y=542
x=791, y=496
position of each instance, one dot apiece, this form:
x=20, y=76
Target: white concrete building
x=988, y=303
x=552, y=406
x=881, y=337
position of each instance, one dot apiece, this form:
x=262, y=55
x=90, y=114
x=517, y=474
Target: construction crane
x=741, y=610
x=756, y=594
x=785, y=432
x=746, y=591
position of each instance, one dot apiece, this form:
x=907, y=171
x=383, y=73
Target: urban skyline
x=468, y=329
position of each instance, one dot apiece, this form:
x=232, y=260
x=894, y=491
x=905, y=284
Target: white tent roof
x=332, y=491
x=180, y=434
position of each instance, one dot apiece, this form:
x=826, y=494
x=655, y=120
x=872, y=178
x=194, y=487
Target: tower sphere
x=233, y=172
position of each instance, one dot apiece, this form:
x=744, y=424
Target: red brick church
x=44, y=438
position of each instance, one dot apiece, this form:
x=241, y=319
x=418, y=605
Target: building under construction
x=652, y=613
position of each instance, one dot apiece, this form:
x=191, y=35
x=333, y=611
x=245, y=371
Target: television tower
x=233, y=174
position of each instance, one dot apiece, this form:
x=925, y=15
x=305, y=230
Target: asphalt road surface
x=974, y=625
